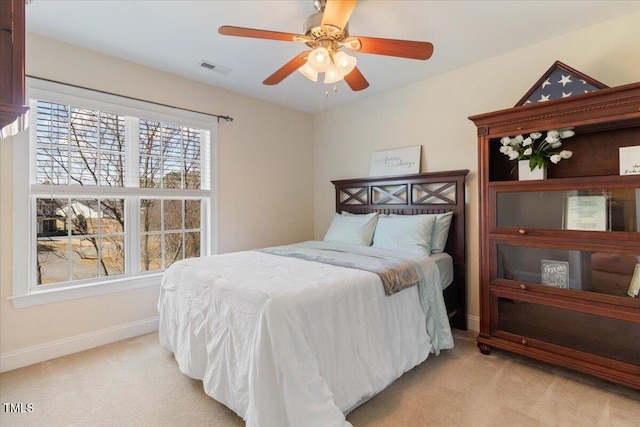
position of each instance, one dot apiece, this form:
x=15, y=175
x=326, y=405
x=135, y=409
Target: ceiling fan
x=326, y=33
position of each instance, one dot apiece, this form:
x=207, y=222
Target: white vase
x=526, y=174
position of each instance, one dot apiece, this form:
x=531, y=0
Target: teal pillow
x=353, y=229
x=440, y=233
x=407, y=233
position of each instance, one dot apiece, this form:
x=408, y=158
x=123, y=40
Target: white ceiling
x=175, y=36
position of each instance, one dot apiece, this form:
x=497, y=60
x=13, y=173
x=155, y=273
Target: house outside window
x=115, y=191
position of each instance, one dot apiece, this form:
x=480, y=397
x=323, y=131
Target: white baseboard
x=473, y=323
x=51, y=350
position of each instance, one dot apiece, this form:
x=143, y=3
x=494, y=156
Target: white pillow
x=409, y=233
x=440, y=232
x=354, y=229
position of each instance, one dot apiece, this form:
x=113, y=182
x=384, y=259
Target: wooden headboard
x=425, y=193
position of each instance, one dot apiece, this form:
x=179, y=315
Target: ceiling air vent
x=215, y=67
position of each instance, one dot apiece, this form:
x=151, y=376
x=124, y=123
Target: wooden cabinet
x=557, y=255
x=12, y=34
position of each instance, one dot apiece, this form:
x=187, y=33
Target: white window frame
x=25, y=291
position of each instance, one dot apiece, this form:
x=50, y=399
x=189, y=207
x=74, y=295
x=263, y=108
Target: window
x=116, y=190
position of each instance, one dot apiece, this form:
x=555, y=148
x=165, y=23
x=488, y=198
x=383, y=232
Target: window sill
x=46, y=296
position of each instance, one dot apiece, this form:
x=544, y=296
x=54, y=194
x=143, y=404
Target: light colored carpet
x=137, y=383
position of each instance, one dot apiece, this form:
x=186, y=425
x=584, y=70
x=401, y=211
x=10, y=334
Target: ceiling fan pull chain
x=326, y=89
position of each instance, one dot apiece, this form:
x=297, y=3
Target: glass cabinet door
x=587, y=210
x=601, y=272
x=612, y=338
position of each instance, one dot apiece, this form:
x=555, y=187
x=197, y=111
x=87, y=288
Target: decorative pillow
x=409, y=233
x=440, y=230
x=354, y=229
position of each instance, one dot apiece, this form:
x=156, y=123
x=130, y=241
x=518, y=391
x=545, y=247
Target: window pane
x=52, y=123
x=150, y=252
x=191, y=144
x=172, y=214
x=112, y=170
x=84, y=216
x=84, y=257
x=112, y=132
x=150, y=215
x=83, y=168
x=191, y=245
x=172, y=173
x=150, y=172
x=172, y=248
x=150, y=138
x=83, y=126
x=172, y=141
x=52, y=164
x=51, y=217
x=52, y=260
x=112, y=256
x=192, y=174
x=191, y=214
x=111, y=216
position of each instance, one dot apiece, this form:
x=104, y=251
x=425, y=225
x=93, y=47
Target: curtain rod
x=225, y=118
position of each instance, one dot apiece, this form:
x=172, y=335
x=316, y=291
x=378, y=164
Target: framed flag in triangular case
x=560, y=81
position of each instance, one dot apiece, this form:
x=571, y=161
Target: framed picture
x=399, y=161
x=586, y=213
x=630, y=160
x=554, y=273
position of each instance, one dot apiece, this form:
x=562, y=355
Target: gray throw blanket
x=396, y=273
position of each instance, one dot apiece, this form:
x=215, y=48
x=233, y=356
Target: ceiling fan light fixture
x=345, y=63
x=319, y=60
x=325, y=33
x=332, y=75
x=309, y=72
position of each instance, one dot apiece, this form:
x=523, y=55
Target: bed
x=299, y=335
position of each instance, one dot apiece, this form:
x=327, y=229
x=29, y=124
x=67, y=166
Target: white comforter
x=288, y=342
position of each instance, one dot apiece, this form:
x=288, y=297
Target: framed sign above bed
x=399, y=161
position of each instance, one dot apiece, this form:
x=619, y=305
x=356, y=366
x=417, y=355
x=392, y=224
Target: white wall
x=433, y=113
x=258, y=185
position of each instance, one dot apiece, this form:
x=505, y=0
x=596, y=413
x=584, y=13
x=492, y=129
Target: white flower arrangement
x=535, y=149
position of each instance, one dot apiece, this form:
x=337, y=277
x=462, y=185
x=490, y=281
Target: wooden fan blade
x=400, y=48
x=228, y=30
x=338, y=12
x=356, y=80
x=288, y=68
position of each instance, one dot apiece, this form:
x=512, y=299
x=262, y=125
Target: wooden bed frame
x=425, y=193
